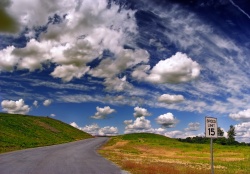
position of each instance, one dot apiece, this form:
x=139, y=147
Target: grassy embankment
x=155, y=154
x=21, y=132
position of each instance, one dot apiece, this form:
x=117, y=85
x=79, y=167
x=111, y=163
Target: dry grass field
x=155, y=154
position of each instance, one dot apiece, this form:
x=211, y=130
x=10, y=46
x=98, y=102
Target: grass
x=22, y=131
x=145, y=153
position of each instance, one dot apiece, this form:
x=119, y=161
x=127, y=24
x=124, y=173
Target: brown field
x=141, y=156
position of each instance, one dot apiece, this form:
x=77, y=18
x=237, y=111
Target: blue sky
x=115, y=67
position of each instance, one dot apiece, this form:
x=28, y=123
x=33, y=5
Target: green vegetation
x=220, y=140
x=22, y=131
x=145, y=153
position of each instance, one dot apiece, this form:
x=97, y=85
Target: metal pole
x=212, y=156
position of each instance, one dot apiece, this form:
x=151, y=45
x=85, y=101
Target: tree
x=231, y=134
x=220, y=132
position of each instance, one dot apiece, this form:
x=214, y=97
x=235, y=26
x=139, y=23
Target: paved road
x=71, y=158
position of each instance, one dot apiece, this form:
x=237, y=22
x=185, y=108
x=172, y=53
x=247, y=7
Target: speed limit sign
x=211, y=127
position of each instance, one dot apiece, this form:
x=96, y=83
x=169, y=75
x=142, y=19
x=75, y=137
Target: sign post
x=211, y=132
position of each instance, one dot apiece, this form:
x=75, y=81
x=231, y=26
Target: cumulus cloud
x=167, y=120
x=193, y=126
x=108, y=131
x=243, y=132
x=174, y=134
x=33, y=55
x=7, y=60
x=91, y=129
x=167, y=98
x=176, y=69
x=35, y=103
x=52, y=115
x=68, y=72
x=47, y=102
x=117, y=84
x=243, y=116
x=141, y=112
x=95, y=130
x=125, y=59
x=102, y=112
x=15, y=107
x=127, y=122
x=139, y=125
x=140, y=72
x=76, y=39
x=179, y=134
x=75, y=125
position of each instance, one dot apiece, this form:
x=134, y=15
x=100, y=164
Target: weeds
x=150, y=153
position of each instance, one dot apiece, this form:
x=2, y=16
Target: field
x=21, y=132
x=155, y=154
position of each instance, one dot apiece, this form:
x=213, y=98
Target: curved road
x=72, y=158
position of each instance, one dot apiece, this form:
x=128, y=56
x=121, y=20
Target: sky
x=124, y=66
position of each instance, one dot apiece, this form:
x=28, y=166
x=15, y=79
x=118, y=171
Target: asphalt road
x=71, y=158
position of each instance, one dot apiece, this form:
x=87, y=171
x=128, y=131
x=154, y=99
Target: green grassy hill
x=145, y=153
x=22, y=131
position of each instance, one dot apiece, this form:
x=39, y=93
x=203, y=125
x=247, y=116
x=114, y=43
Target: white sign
x=211, y=127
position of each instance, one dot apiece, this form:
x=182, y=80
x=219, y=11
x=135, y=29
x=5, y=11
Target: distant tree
x=231, y=135
x=220, y=132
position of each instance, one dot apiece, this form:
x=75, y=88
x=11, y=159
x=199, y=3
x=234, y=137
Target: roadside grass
x=22, y=131
x=145, y=153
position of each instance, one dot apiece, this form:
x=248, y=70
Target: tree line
x=229, y=140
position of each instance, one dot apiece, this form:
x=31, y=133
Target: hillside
x=145, y=153
x=22, y=131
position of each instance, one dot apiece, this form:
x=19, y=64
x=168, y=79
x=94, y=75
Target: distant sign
x=211, y=127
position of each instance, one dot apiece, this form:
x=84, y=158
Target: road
x=72, y=158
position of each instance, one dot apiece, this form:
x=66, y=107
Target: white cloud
x=174, y=134
x=141, y=112
x=68, y=72
x=176, y=69
x=35, y=103
x=243, y=132
x=125, y=59
x=167, y=120
x=140, y=72
x=7, y=60
x=47, y=102
x=179, y=134
x=103, y=112
x=81, y=36
x=243, y=116
x=75, y=125
x=33, y=55
x=15, y=107
x=52, y=115
x=95, y=130
x=167, y=98
x=139, y=125
x=36, y=13
x=193, y=126
x=116, y=84
x=91, y=129
x=127, y=122
x=108, y=131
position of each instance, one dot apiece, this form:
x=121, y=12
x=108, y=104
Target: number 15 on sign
x=211, y=127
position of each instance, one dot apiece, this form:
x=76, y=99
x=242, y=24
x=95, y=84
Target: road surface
x=72, y=158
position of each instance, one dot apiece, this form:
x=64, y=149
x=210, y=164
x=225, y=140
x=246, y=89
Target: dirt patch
x=46, y=126
x=116, y=146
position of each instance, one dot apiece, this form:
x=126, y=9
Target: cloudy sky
x=123, y=66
